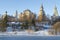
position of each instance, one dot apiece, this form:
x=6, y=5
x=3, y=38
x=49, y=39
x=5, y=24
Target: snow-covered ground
x=26, y=33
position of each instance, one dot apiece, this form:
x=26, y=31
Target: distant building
x=21, y=17
x=1, y=17
x=42, y=19
x=30, y=18
x=55, y=12
x=26, y=15
x=55, y=18
x=42, y=16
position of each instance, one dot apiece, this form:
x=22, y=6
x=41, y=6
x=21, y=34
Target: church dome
x=27, y=12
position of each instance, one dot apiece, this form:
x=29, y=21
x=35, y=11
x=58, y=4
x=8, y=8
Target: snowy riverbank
x=25, y=33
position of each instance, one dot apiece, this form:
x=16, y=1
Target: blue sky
x=34, y=5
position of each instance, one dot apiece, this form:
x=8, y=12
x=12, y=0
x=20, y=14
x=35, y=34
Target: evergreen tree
x=33, y=21
x=4, y=23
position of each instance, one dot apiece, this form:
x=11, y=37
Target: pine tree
x=4, y=23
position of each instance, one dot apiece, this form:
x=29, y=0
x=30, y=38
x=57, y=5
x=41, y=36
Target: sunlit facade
x=26, y=14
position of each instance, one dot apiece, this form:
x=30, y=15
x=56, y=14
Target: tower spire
x=16, y=14
x=6, y=12
x=41, y=13
x=55, y=11
x=41, y=8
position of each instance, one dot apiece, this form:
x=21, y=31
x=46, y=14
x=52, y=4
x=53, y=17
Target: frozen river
x=30, y=38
